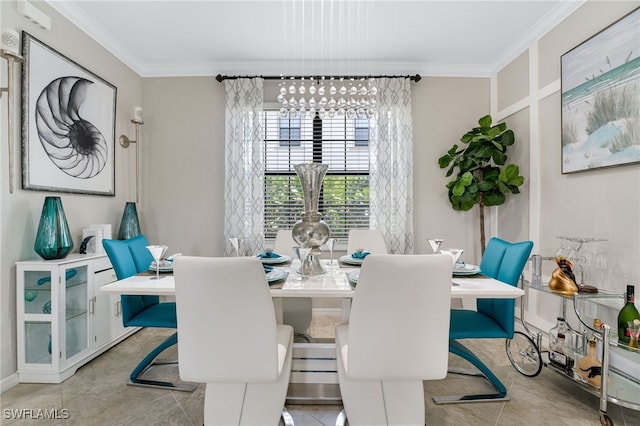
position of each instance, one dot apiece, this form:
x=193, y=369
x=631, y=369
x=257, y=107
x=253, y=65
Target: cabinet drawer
x=101, y=264
x=104, y=277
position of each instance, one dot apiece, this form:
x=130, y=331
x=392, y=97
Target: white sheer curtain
x=391, y=165
x=244, y=168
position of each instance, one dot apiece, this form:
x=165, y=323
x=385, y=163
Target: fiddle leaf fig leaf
x=494, y=199
x=485, y=121
x=499, y=158
x=511, y=175
x=507, y=138
x=466, y=178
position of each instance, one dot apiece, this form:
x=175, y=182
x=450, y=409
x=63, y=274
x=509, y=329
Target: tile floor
x=97, y=395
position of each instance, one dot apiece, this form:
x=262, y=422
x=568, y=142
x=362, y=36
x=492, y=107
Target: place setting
x=356, y=258
x=160, y=264
x=460, y=267
x=269, y=258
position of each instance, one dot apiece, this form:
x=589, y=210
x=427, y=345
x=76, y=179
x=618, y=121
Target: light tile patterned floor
x=97, y=394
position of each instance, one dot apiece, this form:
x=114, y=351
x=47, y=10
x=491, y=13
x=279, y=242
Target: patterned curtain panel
x=391, y=165
x=244, y=168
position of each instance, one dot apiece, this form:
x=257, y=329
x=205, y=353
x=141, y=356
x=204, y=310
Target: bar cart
x=623, y=385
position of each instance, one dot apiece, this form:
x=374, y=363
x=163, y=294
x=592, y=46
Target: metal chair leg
x=149, y=361
x=286, y=417
x=460, y=350
x=341, y=420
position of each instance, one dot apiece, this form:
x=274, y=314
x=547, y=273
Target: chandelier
x=327, y=96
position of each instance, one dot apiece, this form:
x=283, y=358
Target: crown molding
x=75, y=15
x=558, y=14
x=94, y=31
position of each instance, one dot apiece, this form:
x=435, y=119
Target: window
x=339, y=142
x=289, y=131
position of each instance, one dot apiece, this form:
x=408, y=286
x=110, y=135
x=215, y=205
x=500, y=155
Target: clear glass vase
x=53, y=239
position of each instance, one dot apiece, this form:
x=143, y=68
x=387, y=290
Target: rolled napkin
x=268, y=254
x=360, y=254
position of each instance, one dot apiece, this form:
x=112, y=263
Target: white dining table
x=314, y=371
x=333, y=284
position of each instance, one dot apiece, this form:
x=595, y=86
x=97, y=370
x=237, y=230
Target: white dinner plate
x=165, y=266
x=275, y=260
x=276, y=275
x=467, y=269
x=347, y=259
x=353, y=277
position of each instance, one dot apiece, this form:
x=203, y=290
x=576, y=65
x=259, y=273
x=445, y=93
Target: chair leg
x=462, y=351
x=286, y=417
x=341, y=420
x=148, y=362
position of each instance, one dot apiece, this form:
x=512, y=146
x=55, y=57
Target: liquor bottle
x=627, y=314
x=589, y=368
x=560, y=349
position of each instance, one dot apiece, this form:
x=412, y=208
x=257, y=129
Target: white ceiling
x=273, y=37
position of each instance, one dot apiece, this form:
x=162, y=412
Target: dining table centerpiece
x=311, y=231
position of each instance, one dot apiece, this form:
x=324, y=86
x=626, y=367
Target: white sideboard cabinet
x=63, y=318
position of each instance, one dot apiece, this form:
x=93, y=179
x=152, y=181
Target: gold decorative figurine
x=562, y=279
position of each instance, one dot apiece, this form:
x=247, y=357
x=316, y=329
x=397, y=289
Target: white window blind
x=339, y=142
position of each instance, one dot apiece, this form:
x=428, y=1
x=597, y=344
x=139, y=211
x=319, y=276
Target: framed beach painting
x=601, y=98
x=68, y=124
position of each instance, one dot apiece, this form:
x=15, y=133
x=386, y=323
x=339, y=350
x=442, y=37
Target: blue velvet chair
x=494, y=318
x=128, y=258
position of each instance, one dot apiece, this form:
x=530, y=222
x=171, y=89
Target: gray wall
x=20, y=211
x=601, y=203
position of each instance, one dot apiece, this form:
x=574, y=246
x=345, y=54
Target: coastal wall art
x=68, y=124
x=601, y=98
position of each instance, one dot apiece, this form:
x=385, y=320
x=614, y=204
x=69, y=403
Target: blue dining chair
x=130, y=257
x=493, y=319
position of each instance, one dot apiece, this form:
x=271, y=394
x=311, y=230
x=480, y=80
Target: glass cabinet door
x=38, y=305
x=76, y=318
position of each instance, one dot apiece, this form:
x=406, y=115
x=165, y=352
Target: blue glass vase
x=129, y=226
x=53, y=239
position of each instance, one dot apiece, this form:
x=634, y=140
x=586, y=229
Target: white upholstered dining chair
x=397, y=336
x=371, y=240
x=229, y=340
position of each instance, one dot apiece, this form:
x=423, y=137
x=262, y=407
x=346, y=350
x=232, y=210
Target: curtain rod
x=221, y=77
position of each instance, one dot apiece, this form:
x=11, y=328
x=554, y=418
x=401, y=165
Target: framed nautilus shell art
x=68, y=124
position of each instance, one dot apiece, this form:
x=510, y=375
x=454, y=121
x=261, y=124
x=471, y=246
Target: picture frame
x=600, y=97
x=68, y=124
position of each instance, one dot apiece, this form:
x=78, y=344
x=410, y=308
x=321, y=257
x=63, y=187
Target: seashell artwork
x=72, y=143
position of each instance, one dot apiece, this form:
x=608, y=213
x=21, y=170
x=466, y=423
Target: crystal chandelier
x=327, y=96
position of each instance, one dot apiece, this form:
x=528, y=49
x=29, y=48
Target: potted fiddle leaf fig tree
x=478, y=169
